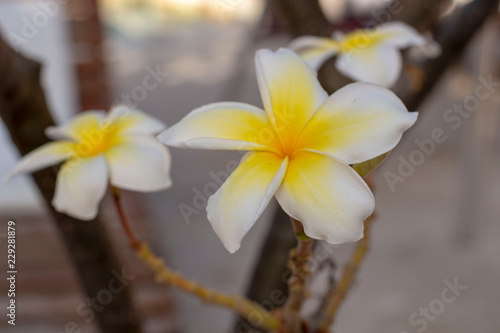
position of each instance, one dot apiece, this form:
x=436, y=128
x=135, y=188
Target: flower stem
x=134, y=243
x=344, y=285
x=297, y=289
x=253, y=312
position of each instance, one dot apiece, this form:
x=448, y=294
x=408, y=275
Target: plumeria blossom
x=299, y=149
x=366, y=55
x=118, y=148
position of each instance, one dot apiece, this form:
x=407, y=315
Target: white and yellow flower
x=299, y=150
x=366, y=55
x=98, y=149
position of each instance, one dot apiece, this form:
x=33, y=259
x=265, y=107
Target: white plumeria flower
x=118, y=148
x=299, y=150
x=366, y=55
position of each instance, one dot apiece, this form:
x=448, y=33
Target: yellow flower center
x=360, y=39
x=285, y=145
x=286, y=151
x=96, y=139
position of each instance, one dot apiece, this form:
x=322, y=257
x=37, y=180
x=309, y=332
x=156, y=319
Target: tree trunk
x=25, y=113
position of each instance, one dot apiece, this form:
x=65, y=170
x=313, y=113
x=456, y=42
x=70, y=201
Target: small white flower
x=97, y=148
x=367, y=55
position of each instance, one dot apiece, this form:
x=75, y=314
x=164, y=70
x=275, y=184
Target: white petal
x=328, y=197
x=139, y=163
x=358, y=122
x=305, y=42
x=81, y=184
x=227, y=125
x=314, y=50
x=290, y=91
x=431, y=49
x=400, y=35
x=78, y=128
x=379, y=64
x=49, y=154
x=235, y=207
x=316, y=57
x=132, y=121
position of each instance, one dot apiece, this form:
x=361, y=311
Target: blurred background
x=437, y=203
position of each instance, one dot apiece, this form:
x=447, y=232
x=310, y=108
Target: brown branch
x=338, y=295
x=268, y=282
x=422, y=14
x=25, y=113
x=297, y=283
x=134, y=242
x=453, y=34
x=240, y=305
x=301, y=17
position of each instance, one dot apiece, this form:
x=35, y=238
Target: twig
x=134, y=243
x=243, y=306
x=332, y=287
x=347, y=280
x=297, y=289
